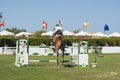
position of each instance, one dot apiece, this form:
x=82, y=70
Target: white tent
x=49, y=33
x=23, y=34
x=99, y=34
x=114, y=34
x=68, y=33
x=65, y=33
x=82, y=33
x=6, y=33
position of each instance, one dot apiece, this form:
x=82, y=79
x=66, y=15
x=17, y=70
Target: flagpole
x=3, y=23
x=42, y=28
x=83, y=27
x=104, y=31
x=0, y=19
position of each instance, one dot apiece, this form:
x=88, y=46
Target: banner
x=45, y=25
x=106, y=27
x=2, y=23
x=86, y=24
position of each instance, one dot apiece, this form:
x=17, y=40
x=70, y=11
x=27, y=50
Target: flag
x=60, y=22
x=86, y=24
x=106, y=27
x=2, y=23
x=45, y=25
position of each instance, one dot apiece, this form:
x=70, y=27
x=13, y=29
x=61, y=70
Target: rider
x=57, y=27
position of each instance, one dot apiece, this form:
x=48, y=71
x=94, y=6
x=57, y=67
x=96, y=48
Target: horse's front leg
x=57, y=58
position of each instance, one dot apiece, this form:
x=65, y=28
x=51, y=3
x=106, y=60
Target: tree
x=15, y=30
x=76, y=31
x=38, y=33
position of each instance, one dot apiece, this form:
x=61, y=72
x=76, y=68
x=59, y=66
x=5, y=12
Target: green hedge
x=11, y=41
x=8, y=41
x=104, y=41
x=39, y=41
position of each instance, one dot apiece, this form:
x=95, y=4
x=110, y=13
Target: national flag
x=86, y=24
x=2, y=23
x=106, y=27
x=45, y=25
x=60, y=22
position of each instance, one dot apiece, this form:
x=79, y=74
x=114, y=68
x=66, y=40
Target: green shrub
x=7, y=41
x=11, y=41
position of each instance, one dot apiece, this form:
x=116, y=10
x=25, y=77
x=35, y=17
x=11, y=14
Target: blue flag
x=106, y=27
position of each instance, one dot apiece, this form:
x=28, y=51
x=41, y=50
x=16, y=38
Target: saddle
x=57, y=37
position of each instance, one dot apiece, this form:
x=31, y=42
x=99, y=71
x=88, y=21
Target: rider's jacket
x=56, y=29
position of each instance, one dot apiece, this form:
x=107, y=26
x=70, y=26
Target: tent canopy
x=68, y=33
x=23, y=34
x=114, y=34
x=99, y=34
x=82, y=33
x=6, y=33
x=65, y=33
x=49, y=33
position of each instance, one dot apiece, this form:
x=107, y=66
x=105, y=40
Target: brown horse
x=59, y=45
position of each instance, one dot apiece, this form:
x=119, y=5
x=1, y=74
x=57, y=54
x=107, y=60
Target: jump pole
x=48, y=61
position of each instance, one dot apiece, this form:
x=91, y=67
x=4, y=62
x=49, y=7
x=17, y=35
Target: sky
x=30, y=14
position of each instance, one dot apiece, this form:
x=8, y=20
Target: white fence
x=7, y=50
x=47, y=50
x=115, y=49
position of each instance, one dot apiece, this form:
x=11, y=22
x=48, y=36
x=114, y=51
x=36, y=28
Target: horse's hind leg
x=63, y=56
x=63, y=50
x=57, y=58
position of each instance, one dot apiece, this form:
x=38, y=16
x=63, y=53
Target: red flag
x=2, y=23
x=45, y=25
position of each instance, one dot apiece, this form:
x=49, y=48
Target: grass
x=108, y=68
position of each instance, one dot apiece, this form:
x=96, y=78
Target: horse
x=59, y=45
